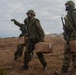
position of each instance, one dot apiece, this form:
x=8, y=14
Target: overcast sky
x=47, y=11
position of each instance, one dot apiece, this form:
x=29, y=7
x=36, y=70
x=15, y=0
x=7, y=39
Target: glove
x=13, y=20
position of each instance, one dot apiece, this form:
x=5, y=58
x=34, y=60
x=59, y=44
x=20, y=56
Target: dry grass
x=11, y=67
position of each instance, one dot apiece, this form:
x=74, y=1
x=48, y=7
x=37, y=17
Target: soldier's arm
x=39, y=28
x=17, y=23
x=67, y=22
x=74, y=17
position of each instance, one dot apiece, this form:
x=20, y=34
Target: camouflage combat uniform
x=20, y=47
x=70, y=19
x=35, y=35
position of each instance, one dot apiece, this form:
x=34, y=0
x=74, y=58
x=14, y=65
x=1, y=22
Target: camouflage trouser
x=29, y=51
x=68, y=57
x=19, y=51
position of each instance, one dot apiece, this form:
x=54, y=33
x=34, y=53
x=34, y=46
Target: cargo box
x=22, y=40
x=43, y=47
x=73, y=46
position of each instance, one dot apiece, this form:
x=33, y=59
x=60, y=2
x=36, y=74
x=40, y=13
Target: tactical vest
x=72, y=25
x=32, y=29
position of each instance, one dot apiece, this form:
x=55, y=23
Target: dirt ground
x=11, y=67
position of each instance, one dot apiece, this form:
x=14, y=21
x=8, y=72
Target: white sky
x=47, y=11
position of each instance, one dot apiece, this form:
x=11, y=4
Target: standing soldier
x=70, y=23
x=35, y=35
x=70, y=26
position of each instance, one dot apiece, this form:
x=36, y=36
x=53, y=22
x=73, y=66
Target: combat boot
x=15, y=58
x=25, y=67
x=44, y=66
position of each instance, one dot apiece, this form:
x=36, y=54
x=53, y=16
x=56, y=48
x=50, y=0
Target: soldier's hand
x=13, y=20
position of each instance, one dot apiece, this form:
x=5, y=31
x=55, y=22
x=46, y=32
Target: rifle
x=66, y=34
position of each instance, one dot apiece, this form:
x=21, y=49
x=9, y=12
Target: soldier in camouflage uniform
x=20, y=47
x=70, y=23
x=35, y=35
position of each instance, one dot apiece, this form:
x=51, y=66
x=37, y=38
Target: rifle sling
x=71, y=25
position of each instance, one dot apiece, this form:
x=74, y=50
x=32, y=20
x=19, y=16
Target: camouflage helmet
x=32, y=12
x=71, y=3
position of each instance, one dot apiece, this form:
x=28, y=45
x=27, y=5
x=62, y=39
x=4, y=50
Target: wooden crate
x=43, y=47
x=73, y=46
x=22, y=40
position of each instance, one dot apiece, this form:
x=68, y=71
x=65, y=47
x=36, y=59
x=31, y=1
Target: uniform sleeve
x=67, y=26
x=18, y=24
x=39, y=29
x=74, y=17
